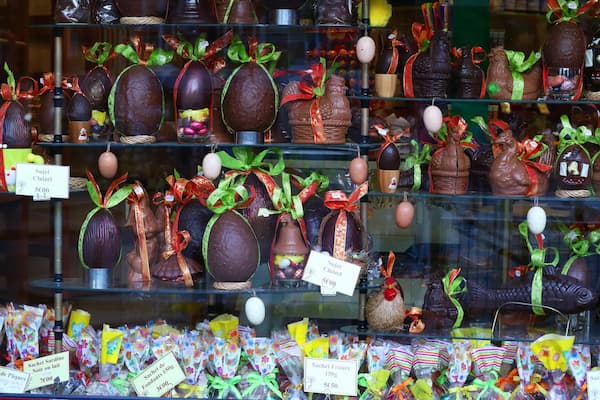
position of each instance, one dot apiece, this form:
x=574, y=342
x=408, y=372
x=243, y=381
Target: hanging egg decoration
x=108, y=164
x=359, y=170
x=536, y=219
x=211, y=166
x=255, y=310
x=405, y=212
x=432, y=118
x=365, y=49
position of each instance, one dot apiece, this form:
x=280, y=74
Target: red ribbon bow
x=337, y=200
x=529, y=148
x=179, y=242
x=394, y=43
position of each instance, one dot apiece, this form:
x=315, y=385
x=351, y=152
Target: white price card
x=12, y=380
x=332, y=377
x=43, y=182
x=47, y=370
x=159, y=378
x=331, y=273
x=593, y=384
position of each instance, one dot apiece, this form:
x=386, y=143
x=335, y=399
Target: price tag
x=12, y=380
x=331, y=273
x=43, y=182
x=47, y=370
x=333, y=377
x=593, y=385
x=159, y=378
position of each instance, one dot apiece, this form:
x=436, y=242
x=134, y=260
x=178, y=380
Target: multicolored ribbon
x=255, y=379
x=139, y=52
x=135, y=199
x=537, y=264
x=400, y=391
x=259, y=53
x=225, y=386
x=99, y=53
x=201, y=49
x=389, y=140
x=575, y=136
x=229, y=195
x=517, y=65
x=337, y=200
x=455, y=285
x=489, y=385
x=463, y=392
x=566, y=10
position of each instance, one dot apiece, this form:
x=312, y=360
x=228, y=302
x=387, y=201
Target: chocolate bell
x=289, y=252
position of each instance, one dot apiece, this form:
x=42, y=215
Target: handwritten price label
x=47, y=370
x=159, y=378
x=331, y=274
x=43, y=182
x=333, y=377
x=12, y=380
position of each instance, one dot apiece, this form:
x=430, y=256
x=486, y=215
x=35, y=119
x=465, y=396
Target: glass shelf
x=471, y=101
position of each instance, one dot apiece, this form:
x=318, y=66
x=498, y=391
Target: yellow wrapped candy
x=111, y=345
x=550, y=350
x=317, y=348
x=298, y=331
x=224, y=326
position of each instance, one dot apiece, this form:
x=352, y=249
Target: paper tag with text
x=12, y=380
x=593, y=385
x=46, y=370
x=43, y=182
x=159, y=378
x=333, y=274
x=333, y=377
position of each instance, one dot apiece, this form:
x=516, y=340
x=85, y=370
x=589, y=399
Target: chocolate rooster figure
x=385, y=308
x=431, y=70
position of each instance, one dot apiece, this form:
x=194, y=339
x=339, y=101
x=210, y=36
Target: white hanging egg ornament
x=211, y=166
x=432, y=118
x=365, y=49
x=536, y=219
x=255, y=310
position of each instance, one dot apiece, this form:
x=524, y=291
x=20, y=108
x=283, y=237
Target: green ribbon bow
x=414, y=161
x=313, y=177
x=453, y=286
x=158, y=57
x=460, y=392
x=580, y=245
x=284, y=201
x=538, y=262
x=255, y=379
x=224, y=386
x=230, y=194
x=487, y=385
x=194, y=51
x=374, y=382
x=10, y=81
x=422, y=389
x=575, y=136
x=245, y=160
x=517, y=65
x=98, y=53
x=264, y=54
x=566, y=10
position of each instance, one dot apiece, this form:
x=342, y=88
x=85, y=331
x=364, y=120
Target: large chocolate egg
x=314, y=212
x=230, y=248
x=564, y=46
x=195, y=87
x=16, y=131
x=264, y=227
x=143, y=8
x=193, y=218
x=100, y=244
x=353, y=232
x=574, y=168
x=47, y=112
x=250, y=99
x=96, y=86
x=389, y=158
x=136, y=102
x=79, y=108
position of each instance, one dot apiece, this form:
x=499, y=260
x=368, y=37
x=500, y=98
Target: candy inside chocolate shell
x=353, y=232
x=573, y=168
x=193, y=218
x=101, y=244
x=79, y=108
x=249, y=100
x=16, y=132
x=230, y=248
x=195, y=87
x=96, y=86
x=136, y=102
x=564, y=46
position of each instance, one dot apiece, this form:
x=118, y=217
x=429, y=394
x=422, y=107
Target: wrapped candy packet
x=193, y=361
x=526, y=366
x=375, y=381
x=487, y=361
x=459, y=367
x=510, y=354
x=426, y=362
x=223, y=362
x=550, y=349
x=162, y=345
x=262, y=382
x=289, y=358
x=22, y=326
x=135, y=349
x=399, y=361
x=110, y=349
x=225, y=326
x=87, y=353
x=579, y=362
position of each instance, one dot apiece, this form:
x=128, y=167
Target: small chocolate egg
x=405, y=213
x=359, y=170
x=108, y=164
x=389, y=158
x=255, y=310
x=365, y=49
x=536, y=219
x=432, y=118
x=211, y=166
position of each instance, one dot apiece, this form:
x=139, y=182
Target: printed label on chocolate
x=159, y=378
x=331, y=377
x=593, y=385
x=43, y=182
x=331, y=273
x=12, y=380
x=47, y=370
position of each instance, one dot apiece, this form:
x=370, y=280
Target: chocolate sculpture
x=428, y=73
x=97, y=84
x=79, y=114
x=334, y=12
x=16, y=131
x=388, y=162
x=469, y=77
x=524, y=84
x=385, y=308
x=236, y=12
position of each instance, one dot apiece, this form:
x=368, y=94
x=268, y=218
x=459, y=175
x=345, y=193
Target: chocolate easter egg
x=193, y=218
x=195, y=87
x=16, y=131
x=564, y=46
x=101, y=242
x=574, y=170
x=142, y=8
x=314, y=212
x=136, y=102
x=353, y=232
x=79, y=108
x=47, y=112
x=264, y=227
x=250, y=99
x=388, y=158
x=230, y=249
x=96, y=86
